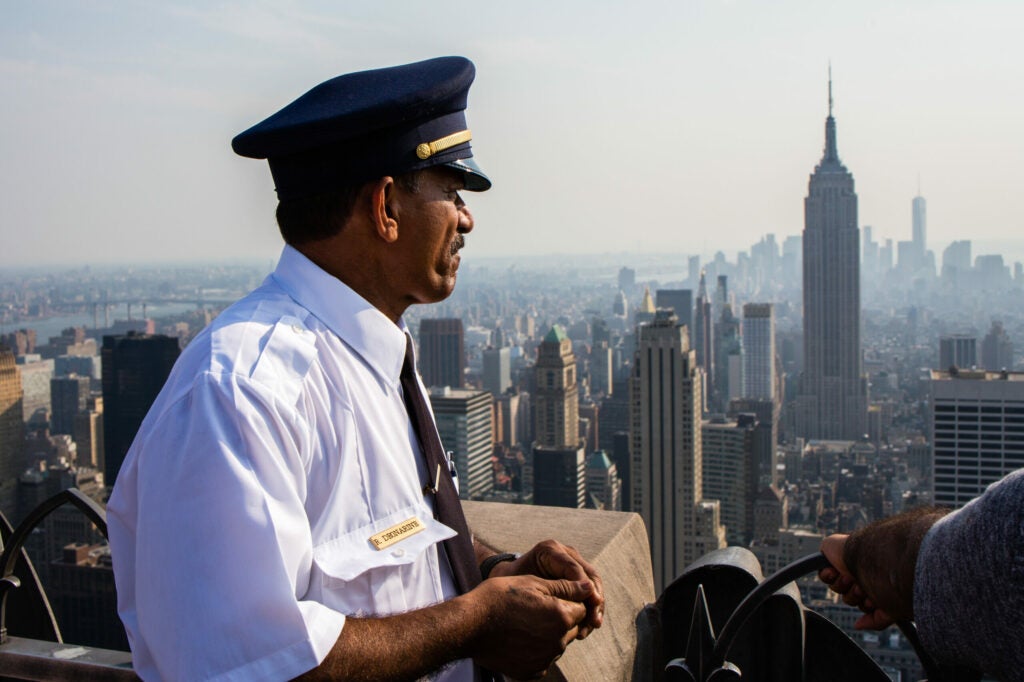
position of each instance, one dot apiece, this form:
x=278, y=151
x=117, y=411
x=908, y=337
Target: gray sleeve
x=969, y=583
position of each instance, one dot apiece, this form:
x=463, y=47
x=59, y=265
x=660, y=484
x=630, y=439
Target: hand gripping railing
x=9, y=558
x=721, y=670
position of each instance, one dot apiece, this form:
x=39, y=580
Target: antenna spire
x=830, y=88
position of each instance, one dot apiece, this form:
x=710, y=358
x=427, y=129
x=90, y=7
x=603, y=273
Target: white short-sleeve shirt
x=240, y=522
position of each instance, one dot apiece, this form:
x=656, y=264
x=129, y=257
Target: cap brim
x=475, y=179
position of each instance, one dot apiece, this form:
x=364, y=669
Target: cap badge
x=428, y=149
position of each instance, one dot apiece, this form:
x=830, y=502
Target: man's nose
x=465, y=218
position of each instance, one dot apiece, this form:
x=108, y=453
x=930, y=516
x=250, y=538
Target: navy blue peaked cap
x=368, y=124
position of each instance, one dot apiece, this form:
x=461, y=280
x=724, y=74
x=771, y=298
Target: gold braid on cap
x=428, y=149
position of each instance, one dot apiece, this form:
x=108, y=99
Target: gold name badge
x=400, y=531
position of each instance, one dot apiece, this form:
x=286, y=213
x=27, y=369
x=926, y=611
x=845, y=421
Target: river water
x=52, y=326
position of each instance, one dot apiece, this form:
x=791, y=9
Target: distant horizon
x=1012, y=251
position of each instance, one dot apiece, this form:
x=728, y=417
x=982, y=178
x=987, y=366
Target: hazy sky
x=684, y=126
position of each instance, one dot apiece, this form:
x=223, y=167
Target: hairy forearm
x=402, y=647
x=882, y=558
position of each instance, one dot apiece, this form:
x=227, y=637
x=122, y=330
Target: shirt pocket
x=360, y=579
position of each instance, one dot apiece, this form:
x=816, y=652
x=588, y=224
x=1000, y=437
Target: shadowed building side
x=135, y=368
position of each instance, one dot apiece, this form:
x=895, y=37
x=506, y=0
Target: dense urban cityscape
x=812, y=384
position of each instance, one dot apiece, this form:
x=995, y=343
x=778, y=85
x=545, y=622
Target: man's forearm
x=883, y=556
x=403, y=646
x=515, y=625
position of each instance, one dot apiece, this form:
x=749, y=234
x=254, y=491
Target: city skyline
x=120, y=120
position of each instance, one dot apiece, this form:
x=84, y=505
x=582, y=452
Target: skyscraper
x=759, y=351
x=920, y=229
x=464, y=423
x=681, y=302
x=135, y=368
x=958, y=349
x=442, y=356
x=68, y=396
x=603, y=484
x=559, y=460
x=728, y=359
x=703, y=337
x=12, y=430
x=665, y=438
x=977, y=419
x=996, y=349
x=556, y=400
x=832, y=399
x=497, y=365
x=730, y=473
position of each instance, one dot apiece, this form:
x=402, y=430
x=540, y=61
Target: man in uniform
x=287, y=508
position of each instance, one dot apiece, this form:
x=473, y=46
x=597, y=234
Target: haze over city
x=658, y=127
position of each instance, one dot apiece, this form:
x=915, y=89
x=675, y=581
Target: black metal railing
x=711, y=658
x=34, y=648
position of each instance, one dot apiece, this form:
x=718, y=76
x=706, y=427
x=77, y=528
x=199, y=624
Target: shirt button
x=397, y=553
x=297, y=329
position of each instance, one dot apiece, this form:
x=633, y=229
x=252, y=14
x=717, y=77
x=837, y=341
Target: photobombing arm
x=873, y=568
x=958, y=576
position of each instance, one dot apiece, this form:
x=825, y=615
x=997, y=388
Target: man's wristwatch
x=488, y=564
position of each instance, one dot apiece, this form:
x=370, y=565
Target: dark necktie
x=447, y=507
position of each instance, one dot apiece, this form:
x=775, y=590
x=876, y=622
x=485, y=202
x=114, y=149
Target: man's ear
x=382, y=203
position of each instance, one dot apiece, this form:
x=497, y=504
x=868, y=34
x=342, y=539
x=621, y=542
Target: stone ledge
x=615, y=542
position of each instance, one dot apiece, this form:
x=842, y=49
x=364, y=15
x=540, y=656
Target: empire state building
x=832, y=400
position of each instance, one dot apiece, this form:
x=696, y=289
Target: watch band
x=488, y=564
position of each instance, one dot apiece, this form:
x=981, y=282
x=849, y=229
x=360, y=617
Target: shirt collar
x=368, y=331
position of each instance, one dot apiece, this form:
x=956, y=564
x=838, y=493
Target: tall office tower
x=721, y=296
x=497, y=370
x=957, y=349
x=703, y=338
x=665, y=441
x=832, y=401
x=996, y=349
x=603, y=485
x=759, y=351
x=731, y=473
x=622, y=457
x=627, y=278
x=728, y=360
x=693, y=269
x=68, y=396
x=12, y=431
x=559, y=459
x=681, y=302
x=590, y=424
x=956, y=260
x=135, y=368
x=620, y=306
x=977, y=419
x=766, y=434
x=885, y=256
x=559, y=477
x=556, y=400
x=920, y=230
x=507, y=404
x=465, y=424
x=442, y=356
x=89, y=433
x=869, y=251
x=614, y=418
x=601, y=369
